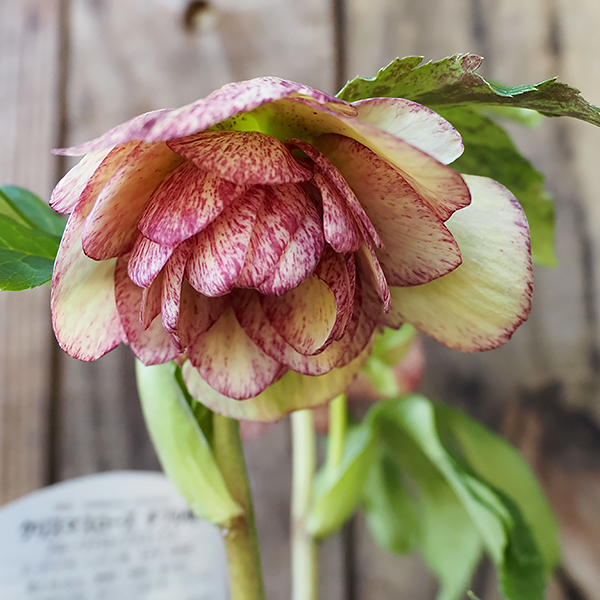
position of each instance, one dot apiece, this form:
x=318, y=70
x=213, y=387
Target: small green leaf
x=181, y=445
x=454, y=81
x=339, y=492
x=392, y=514
x=32, y=209
x=490, y=152
x=501, y=465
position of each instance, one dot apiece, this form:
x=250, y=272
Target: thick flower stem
x=303, y=546
x=241, y=541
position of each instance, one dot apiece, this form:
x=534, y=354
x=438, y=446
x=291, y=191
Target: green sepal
x=490, y=152
x=29, y=239
x=454, y=81
x=340, y=491
x=181, y=444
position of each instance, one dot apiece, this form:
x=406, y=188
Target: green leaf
x=392, y=514
x=408, y=427
x=181, y=445
x=490, y=152
x=338, y=493
x=26, y=255
x=454, y=81
x=26, y=206
x=501, y=465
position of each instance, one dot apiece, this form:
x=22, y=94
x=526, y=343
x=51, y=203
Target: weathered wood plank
x=128, y=57
x=555, y=355
x=29, y=64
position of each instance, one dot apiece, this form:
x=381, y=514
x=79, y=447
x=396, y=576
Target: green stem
x=336, y=436
x=241, y=541
x=303, y=546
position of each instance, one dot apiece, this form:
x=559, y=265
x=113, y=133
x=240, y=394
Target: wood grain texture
x=29, y=63
x=129, y=57
x=553, y=359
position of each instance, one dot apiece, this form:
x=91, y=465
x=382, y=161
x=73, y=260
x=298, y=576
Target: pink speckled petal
x=68, y=190
x=151, y=300
x=417, y=245
x=277, y=221
x=111, y=228
x=369, y=265
x=220, y=249
x=226, y=102
x=293, y=391
x=336, y=178
x=480, y=304
x=332, y=270
x=152, y=345
x=339, y=225
x=252, y=318
x=146, y=261
x=197, y=313
x=186, y=201
x=84, y=313
x=414, y=123
x=230, y=362
x=299, y=258
x=305, y=316
x=171, y=289
x=243, y=157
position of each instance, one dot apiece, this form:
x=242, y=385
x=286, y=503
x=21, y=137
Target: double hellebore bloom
x=264, y=234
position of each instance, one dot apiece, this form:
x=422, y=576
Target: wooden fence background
x=69, y=69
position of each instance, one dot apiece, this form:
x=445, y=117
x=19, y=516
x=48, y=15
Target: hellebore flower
x=265, y=233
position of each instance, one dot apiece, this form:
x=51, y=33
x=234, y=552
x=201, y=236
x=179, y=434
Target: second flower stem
x=303, y=547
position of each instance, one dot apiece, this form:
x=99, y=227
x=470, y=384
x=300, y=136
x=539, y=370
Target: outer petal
x=417, y=245
x=480, y=304
x=186, y=201
x=414, y=123
x=226, y=102
x=243, y=157
x=68, y=190
x=230, y=362
x=84, y=314
x=146, y=261
x=300, y=257
x=278, y=219
x=305, y=316
x=220, y=250
x=111, y=228
x=152, y=345
x=292, y=392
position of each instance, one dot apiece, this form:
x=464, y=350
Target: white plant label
x=124, y=535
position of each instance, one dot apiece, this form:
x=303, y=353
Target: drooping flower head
x=265, y=233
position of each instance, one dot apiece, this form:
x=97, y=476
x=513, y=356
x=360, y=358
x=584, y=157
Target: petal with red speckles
x=278, y=219
x=480, y=304
x=186, y=201
x=146, y=261
x=243, y=157
x=300, y=257
x=224, y=103
x=111, y=227
x=418, y=247
x=171, y=289
x=152, y=345
x=305, y=316
x=230, y=362
x=219, y=250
